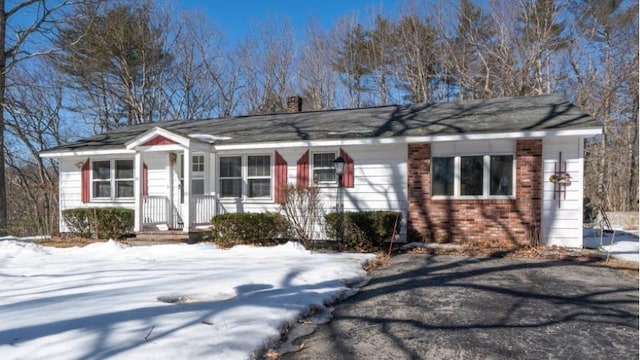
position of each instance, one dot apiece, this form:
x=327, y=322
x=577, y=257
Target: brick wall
x=496, y=223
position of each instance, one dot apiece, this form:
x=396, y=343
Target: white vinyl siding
x=562, y=225
x=70, y=192
x=158, y=173
x=380, y=180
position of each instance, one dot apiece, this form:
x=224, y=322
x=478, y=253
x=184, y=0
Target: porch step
x=148, y=237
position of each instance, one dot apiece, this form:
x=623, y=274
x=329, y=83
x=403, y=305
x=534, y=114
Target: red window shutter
x=302, y=178
x=348, y=176
x=86, y=182
x=145, y=179
x=280, y=178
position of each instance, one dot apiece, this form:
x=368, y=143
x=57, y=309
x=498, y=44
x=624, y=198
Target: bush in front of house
x=104, y=222
x=78, y=221
x=113, y=222
x=363, y=231
x=249, y=228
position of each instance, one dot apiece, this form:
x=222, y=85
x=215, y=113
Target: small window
x=501, y=175
x=442, y=175
x=259, y=175
x=324, y=170
x=230, y=176
x=197, y=163
x=197, y=174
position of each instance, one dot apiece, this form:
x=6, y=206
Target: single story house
x=497, y=171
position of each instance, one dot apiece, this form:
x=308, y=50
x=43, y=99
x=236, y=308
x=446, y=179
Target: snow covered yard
x=107, y=300
x=620, y=244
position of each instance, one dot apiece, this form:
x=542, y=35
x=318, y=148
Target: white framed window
x=230, y=173
x=247, y=176
x=473, y=176
x=323, y=170
x=112, y=179
x=259, y=176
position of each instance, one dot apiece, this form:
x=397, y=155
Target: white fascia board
x=160, y=148
x=87, y=153
x=199, y=146
x=306, y=143
x=533, y=134
x=150, y=134
x=582, y=133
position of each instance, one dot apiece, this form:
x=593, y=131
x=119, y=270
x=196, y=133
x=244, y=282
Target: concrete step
x=169, y=236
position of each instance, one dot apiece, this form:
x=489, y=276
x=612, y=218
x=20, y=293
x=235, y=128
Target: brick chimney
x=294, y=104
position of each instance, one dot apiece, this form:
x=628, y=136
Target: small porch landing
x=152, y=237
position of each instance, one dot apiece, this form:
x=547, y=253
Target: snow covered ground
x=619, y=244
x=107, y=300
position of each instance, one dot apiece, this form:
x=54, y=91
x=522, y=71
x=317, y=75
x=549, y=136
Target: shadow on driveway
x=447, y=307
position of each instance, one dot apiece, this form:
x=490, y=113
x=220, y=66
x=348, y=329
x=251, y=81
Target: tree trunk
x=3, y=62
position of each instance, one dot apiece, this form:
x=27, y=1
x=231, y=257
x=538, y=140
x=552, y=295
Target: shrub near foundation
x=106, y=223
x=78, y=221
x=113, y=222
x=364, y=231
x=249, y=228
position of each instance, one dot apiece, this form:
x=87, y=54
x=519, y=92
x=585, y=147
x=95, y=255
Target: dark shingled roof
x=531, y=113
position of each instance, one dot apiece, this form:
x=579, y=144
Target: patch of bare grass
x=381, y=260
x=63, y=242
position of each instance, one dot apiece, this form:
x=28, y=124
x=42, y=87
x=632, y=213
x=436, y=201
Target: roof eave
x=581, y=132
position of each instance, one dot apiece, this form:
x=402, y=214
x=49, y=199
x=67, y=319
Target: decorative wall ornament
x=564, y=179
x=560, y=179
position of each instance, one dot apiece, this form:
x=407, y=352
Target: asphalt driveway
x=446, y=307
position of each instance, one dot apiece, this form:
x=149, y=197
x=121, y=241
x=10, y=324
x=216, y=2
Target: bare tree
x=267, y=57
x=352, y=60
x=316, y=78
x=465, y=52
x=21, y=22
x=33, y=123
x=382, y=50
x=417, y=55
x=203, y=82
x=604, y=72
x=528, y=36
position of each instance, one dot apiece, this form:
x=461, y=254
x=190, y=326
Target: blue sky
x=235, y=18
